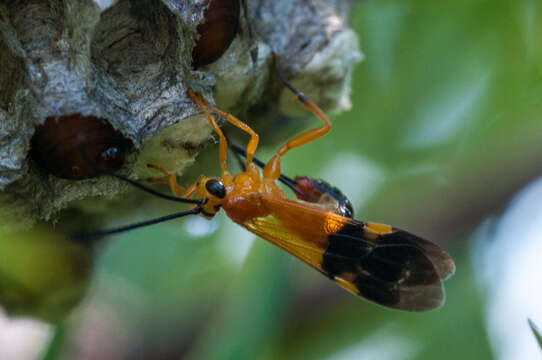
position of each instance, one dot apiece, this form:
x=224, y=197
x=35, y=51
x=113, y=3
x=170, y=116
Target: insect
x=308, y=189
x=380, y=263
x=78, y=147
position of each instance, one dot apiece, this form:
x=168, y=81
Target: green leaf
x=54, y=349
x=536, y=332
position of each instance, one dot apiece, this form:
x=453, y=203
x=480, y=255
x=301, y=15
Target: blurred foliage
x=41, y=274
x=445, y=128
x=536, y=332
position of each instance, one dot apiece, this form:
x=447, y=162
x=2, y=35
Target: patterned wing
x=388, y=266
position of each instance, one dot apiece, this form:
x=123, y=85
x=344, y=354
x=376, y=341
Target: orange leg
x=191, y=190
x=254, y=138
x=223, y=144
x=165, y=180
x=272, y=168
x=170, y=179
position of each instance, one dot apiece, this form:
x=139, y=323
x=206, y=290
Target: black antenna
x=156, y=193
x=90, y=236
x=282, y=78
x=94, y=235
x=82, y=150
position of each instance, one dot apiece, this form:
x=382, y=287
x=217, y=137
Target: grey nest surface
x=128, y=64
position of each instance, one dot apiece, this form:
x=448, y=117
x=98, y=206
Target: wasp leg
x=272, y=168
x=254, y=138
x=223, y=143
x=169, y=178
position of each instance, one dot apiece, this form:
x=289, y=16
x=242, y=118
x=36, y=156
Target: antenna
x=85, y=237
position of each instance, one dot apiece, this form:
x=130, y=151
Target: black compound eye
x=216, y=188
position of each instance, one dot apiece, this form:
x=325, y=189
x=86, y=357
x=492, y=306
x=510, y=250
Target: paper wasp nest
x=109, y=78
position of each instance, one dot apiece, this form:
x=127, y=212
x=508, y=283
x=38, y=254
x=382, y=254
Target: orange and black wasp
x=380, y=263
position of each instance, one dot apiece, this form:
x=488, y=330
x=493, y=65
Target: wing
x=388, y=266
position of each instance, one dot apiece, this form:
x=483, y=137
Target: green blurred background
x=445, y=129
